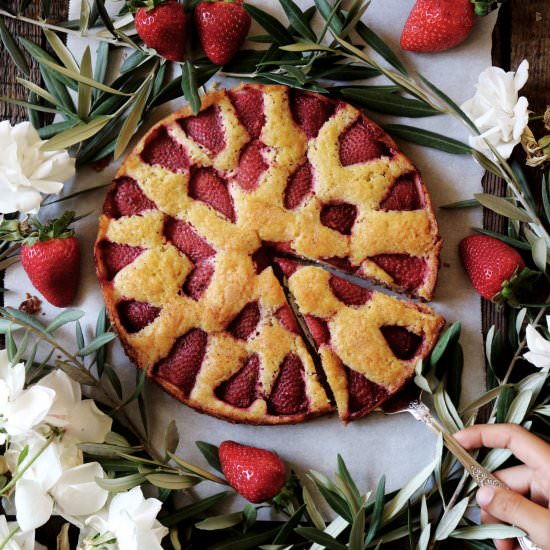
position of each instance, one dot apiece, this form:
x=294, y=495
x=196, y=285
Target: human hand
x=526, y=505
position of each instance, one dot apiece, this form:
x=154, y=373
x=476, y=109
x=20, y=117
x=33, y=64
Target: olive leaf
x=388, y=102
x=85, y=91
x=75, y=135
x=66, y=316
x=134, y=117
x=503, y=207
x=487, y=531
x=433, y=140
x=13, y=49
x=223, y=521
x=61, y=50
x=451, y=519
x=192, y=510
x=189, y=86
x=120, y=484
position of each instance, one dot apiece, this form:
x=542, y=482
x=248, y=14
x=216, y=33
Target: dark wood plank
x=9, y=72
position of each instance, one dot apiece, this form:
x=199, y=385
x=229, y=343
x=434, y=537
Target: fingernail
x=485, y=495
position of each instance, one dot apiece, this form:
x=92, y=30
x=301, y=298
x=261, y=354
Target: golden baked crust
x=215, y=183
x=365, y=337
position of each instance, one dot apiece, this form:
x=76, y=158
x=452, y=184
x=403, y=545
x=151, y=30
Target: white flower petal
x=538, y=360
x=536, y=342
x=88, y=424
x=26, y=170
x=68, y=394
x=76, y=492
x=522, y=74
x=496, y=110
x=29, y=409
x=34, y=506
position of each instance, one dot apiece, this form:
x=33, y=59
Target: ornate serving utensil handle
x=479, y=474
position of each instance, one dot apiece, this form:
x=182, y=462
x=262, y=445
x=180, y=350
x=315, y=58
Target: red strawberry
x=51, y=258
x=490, y=265
x=349, y=293
x=339, y=217
x=163, y=28
x=222, y=27
x=256, y=474
x=437, y=25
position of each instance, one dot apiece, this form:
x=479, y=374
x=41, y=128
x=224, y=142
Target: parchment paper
x=397, y=446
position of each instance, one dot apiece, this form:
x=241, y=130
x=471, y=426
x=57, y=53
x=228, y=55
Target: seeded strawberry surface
x=256, y=474
x=489, y=263
x=299, y=186
x=245, y=322
x=403, y=195
x=359, y=144
x=251, y=166
x=349, y=293
x=117, y=256
x=182, y=364
x=437, y=25
x=53, y=268
x=163, y=29
x=339, y=217
x=310, y=112
x=407, y=271
x=135, y=316
x=222, y=28
x=240, y=389
x=207, y=186
x=206, y=129
x=126, y=199
x=185, y=238
x=199, y=279
x=249, y=104
x=289, y=392
x=162, y=150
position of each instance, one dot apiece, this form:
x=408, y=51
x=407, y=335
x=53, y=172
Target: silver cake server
x=409, y=400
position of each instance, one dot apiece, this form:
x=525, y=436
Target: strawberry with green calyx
x=495, y=269
x=50, y=256
x=438, y=25
x=162, y=26
x=222, y=26
x=256, y=474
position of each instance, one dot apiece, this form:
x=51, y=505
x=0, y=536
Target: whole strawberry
x=256, y=474
x=222, y=26
x=437, y=25
x=50, y=256
x=162, y=26
x=494, y=268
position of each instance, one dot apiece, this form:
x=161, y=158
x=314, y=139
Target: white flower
x=19, y=541
x=79, y=418
x=539, y=347
x=20, y=410
x=26, y=171
x=497, y=111
x=130, y=519
x=49, y=485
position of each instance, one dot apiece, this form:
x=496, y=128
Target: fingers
x=510, y=507
x=526, y=481
x=525, y=446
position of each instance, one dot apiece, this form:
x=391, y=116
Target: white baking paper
x=397, y=446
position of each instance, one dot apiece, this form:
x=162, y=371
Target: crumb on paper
x=31, y=304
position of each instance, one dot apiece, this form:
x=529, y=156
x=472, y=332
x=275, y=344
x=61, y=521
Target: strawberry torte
x=203, y=239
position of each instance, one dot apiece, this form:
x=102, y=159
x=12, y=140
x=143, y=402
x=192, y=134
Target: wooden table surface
x=522, y=32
